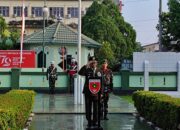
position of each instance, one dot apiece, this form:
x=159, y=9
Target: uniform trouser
x=104, y=105
x=71, y=89
x=91, y=105
x=52, y=85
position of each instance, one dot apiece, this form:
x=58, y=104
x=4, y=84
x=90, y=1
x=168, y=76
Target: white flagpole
x=79, y=54
x=22, y=32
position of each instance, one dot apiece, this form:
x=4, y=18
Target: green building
x=57, y=36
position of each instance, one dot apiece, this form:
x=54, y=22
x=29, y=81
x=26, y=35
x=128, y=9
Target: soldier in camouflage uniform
x=52, y=77
x=107, y=77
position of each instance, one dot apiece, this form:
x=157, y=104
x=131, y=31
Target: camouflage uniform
x=107, y=77
x=52, y=77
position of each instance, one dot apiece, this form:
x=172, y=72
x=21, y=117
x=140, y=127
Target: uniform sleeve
x=82, y=71
x=56, y=73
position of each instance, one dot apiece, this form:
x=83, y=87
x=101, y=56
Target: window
x=4, y=11
x=18, y=11
x=73, y=11
x=37, y=11
x=56, y=11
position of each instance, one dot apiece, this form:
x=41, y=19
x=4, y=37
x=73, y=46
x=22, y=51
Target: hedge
x=15, y=108
x=161, y=109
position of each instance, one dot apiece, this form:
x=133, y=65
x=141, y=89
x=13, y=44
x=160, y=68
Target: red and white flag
x=22, y=31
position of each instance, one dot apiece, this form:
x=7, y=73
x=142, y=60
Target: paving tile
x=78, y=122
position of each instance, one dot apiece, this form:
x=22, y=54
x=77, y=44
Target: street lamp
x=45, y=14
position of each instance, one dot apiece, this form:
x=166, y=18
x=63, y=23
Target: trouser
x=91, y=105
x=104, y=105
x=52, y=85
x=71, y=89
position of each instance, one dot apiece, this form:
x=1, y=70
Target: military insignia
x=94, y=85
x=98, y=74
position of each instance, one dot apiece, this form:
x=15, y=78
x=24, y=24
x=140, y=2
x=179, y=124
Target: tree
x=171, y=25
x=8, y=36
x=105, y=24
x=106, y=52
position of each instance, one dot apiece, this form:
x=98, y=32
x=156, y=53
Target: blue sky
x=143, y=16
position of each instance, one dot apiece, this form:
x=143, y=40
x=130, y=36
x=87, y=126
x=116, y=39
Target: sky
x=143, y=16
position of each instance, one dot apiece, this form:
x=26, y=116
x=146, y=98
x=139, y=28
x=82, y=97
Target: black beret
x=91, y=58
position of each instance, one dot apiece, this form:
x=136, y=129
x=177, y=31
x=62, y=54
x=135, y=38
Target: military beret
x=105, y=61
x=92, y=58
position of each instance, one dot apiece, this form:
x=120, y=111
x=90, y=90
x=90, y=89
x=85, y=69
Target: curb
x=28, y=123
x=142, y=119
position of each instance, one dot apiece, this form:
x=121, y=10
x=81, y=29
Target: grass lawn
x=128, y=98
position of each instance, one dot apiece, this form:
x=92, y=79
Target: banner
x=11, y=59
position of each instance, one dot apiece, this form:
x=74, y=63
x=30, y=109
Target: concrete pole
x=75, y=91
x=178, y=77
x=81, y=94
x=146, y=75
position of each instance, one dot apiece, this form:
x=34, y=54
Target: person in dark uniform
x=72, y=71
x=91, y=101
x=52, y=77
x=107, y=77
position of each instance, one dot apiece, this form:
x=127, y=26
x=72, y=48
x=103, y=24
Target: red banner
x=94, y=85
x=11, y=59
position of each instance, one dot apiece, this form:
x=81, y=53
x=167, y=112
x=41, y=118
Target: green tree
x=171, y=25
x=105, y=24
x=8, y=36
x=106, y=52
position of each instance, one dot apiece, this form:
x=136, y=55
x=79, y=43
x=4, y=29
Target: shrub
x=161, y=109
x=15, y=108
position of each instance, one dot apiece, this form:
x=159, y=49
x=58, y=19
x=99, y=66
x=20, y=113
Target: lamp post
x=45, y=14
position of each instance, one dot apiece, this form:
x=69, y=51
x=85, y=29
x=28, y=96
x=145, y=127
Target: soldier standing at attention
x=72, y=71
x=90, y=70
x=52, y=77
x=107, y=77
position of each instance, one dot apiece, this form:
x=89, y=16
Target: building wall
x=52, y=53
x=40, y=3
x=151, y=47
x=158, y=61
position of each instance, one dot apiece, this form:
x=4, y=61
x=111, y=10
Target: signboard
x=11, y=59
x=94, y=85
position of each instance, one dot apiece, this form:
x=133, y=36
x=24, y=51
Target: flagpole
x=22, y=33
x=79, y=56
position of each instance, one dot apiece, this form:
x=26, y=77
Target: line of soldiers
x=91, y=100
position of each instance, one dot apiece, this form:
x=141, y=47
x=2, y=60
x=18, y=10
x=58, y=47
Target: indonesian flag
x=22, y=31
x=94, y=85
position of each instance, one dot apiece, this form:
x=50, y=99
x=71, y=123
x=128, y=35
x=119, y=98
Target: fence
x=125, y=80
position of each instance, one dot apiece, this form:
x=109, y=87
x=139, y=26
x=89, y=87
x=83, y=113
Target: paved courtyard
x=64, y=103
x=58, y=112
